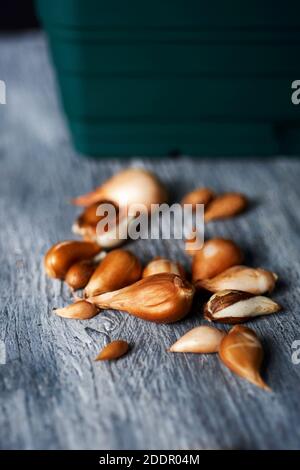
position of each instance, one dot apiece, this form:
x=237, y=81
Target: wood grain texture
x=52, y=394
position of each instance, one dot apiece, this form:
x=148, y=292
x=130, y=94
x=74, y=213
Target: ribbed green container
x=151, y=78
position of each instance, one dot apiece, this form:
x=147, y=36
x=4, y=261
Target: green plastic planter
x=151, y=78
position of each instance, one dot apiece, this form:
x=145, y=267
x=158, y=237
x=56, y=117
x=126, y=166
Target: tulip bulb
x=233, y=306
x=202, y=339
x=198, y=196
x=86, y=223
x=242, y=352
x=163, y=265
x=63, y=255
x=225, y=206
x=79, y=274
x=162, y=298
x=130, y=186
x=216, y=255
x=118, y=269
x=113, y=350
x=242, y=278
x=80, y=310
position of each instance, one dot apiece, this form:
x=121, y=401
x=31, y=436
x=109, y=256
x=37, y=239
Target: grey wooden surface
x=52, y=394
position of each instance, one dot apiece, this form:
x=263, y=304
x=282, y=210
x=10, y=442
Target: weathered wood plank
x=52, y=393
